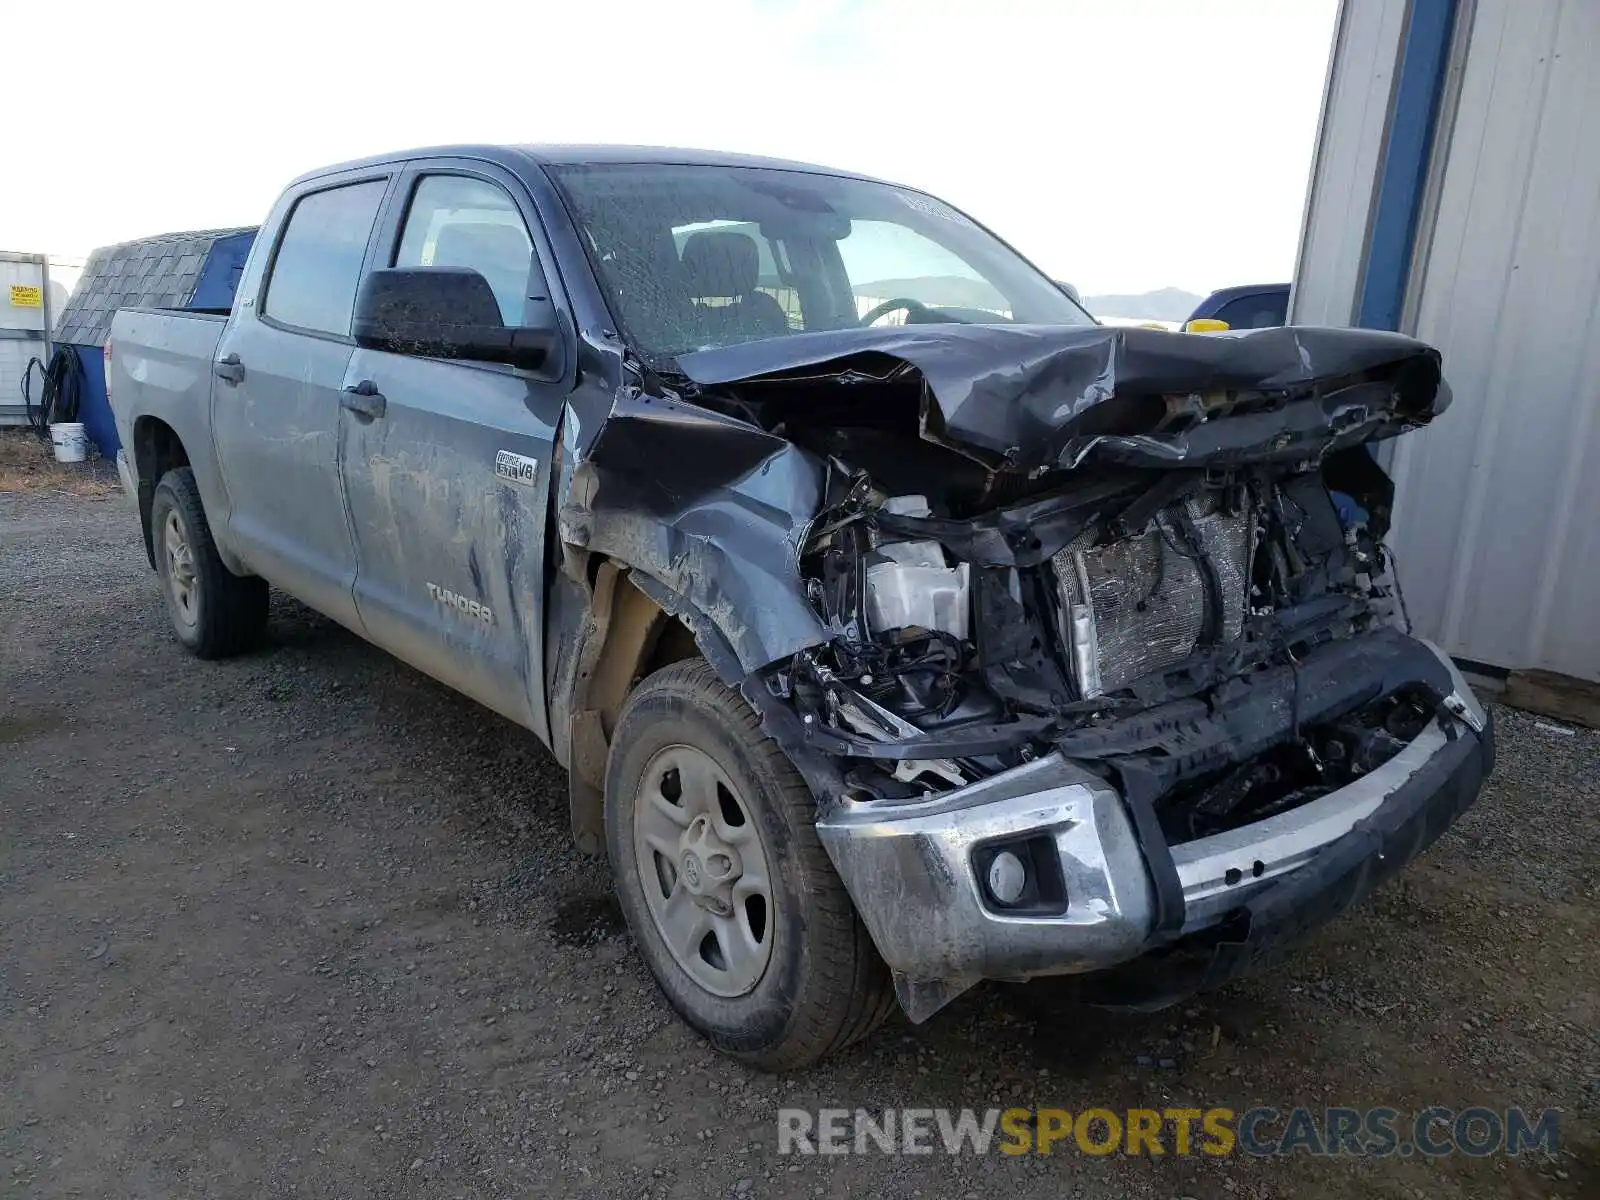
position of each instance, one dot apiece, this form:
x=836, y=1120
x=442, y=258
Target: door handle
x=364, y=399
x=229, y=369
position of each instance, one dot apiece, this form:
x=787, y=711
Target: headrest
x=480, y=244
x=721, y=263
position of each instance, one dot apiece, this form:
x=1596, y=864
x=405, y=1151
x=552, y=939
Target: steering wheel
x=912, y=307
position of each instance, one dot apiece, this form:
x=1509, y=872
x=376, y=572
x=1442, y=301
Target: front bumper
x=1245, y=894
x=1268, y=923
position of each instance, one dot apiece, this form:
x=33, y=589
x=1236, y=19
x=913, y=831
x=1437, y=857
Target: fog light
x=1008, y=878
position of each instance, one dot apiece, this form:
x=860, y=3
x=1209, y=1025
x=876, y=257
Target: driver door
x=448, y=479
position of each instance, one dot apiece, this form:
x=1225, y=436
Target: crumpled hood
x=1046, y=396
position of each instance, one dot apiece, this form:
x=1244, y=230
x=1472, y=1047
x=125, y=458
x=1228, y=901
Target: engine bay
x=1164, y=588
x=980, y=621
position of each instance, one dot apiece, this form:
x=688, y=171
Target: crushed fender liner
x=710, y=507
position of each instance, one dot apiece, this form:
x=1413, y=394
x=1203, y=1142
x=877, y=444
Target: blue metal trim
x=1419, y=83
x=93, y=408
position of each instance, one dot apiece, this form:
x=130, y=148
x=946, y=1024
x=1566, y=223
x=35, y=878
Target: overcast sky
x=1122, y=145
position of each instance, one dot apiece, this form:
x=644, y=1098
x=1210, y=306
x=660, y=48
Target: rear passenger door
x=275, y=400
x=449, y=487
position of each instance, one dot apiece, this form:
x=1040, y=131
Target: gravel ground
x=306, y=923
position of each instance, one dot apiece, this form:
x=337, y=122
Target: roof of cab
x=579, y=155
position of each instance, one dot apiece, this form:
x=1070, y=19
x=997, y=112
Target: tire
x=214, y=612
x=822, y=986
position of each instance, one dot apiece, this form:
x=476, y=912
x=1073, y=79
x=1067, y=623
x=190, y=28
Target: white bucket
x=69, y=442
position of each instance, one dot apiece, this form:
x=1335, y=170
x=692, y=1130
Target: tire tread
x=233, y=607
x=853, y=994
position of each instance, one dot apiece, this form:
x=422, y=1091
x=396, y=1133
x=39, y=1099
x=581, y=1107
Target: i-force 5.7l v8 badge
x=516, y=468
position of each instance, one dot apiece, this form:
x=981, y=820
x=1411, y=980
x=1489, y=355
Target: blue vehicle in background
x=1245, y=306
x=1248, y=306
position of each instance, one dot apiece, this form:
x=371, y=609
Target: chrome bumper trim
x=908, y=866
x=1257, y=854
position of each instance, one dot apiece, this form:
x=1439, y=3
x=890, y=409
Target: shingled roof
x=160, y=271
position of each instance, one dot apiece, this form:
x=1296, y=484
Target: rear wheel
x=214, y=612
x=730, y=897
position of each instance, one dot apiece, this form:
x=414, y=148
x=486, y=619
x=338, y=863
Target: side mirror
x=446, y=312
x=1071, y=291
x=1205, y=325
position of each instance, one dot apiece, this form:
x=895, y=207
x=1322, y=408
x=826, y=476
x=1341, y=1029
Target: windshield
x=701, y=256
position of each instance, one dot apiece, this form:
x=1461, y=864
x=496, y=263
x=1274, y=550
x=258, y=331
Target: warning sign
x=23, y=296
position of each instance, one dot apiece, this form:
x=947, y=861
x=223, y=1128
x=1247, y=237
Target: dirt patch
x=305, y=923
x=19, y=726
x=587, y=921
x=28, y=464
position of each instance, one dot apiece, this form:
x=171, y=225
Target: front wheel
x=214, y=612
x=730, y=896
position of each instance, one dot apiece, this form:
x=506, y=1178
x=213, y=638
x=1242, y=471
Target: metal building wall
x=1498, y=509
x=1499, y=503
x=24, y=329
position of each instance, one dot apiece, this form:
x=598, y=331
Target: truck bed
x=163, y=371
x=167, y=355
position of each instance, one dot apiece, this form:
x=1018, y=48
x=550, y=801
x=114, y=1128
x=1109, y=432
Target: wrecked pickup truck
x=899, y=627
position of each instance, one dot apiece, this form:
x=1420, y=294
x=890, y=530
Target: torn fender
x=711, y=508
x=1037, y=397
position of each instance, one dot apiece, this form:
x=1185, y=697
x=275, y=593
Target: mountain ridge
x=1162, y=304
x=956, y=291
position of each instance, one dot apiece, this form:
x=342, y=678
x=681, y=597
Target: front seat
x=726, y=266
x=500, y=253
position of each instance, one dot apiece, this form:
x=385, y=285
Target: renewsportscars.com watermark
x=1261, y=1132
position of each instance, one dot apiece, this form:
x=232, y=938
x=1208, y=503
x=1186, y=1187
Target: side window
x=457, y=221
x=1258, y=310
x=318, y=264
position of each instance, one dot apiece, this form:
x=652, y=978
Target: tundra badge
x=516, y=468
x=467, y=608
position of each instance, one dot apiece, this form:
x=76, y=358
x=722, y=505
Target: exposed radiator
x=1139, y=604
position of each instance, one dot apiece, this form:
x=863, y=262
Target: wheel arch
x=157, y=449
x=631, y=629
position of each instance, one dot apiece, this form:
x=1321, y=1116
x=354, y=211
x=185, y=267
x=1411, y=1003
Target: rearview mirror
x=446, y=312
x=799, y=223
